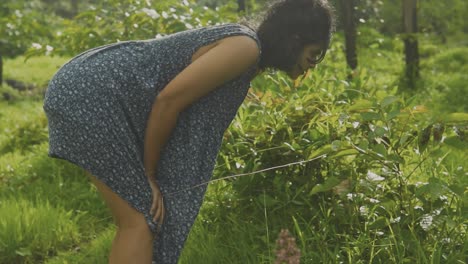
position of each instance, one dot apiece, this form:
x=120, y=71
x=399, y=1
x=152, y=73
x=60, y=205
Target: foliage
x=387, y=182
x=23, y=23
x=111, y=20
x=447, y=70
x=376, y=172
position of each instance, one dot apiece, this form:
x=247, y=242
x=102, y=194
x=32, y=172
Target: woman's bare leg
x=134, y=240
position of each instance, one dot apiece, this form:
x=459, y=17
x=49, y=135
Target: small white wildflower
x=363, y=210
x=36, y=46
x=151, y=13
x=350, y=196
x=395, y=220
x=374, y=201
x=379, y=233
x=371, y=176
x=18, y=13
x=426, y=222
x=446, y=240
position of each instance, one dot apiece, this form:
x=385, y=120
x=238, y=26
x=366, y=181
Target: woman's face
x=310, y=56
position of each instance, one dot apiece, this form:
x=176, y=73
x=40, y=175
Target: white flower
x=36, y=46
x=374, y=177
x=364, y=210
x=426, y=222
x=151, y=13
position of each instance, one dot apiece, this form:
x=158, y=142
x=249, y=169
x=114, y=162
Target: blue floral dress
x=98, y=105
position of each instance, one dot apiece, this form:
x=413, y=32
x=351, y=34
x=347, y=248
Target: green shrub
x=450, y=61
x=364, y=153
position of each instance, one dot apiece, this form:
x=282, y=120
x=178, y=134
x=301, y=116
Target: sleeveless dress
x=97, y=107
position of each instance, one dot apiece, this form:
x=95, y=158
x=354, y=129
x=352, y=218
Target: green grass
x=32, y=231
x=94, y=252
x=42, y=68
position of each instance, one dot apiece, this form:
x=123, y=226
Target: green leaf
x=433, y=189
x=361, y=105
x=321, y=151
x=388, y=101
x=456, y=118
x=380, y=131
x=289, y=146
x=370, y=116
x=326, y=186
x=267, y=200
x=23, y=252
x=455, y=142
x=380, y=150
x=393, y=114
x=346, y=152
x=396, y=158
x=336, y=145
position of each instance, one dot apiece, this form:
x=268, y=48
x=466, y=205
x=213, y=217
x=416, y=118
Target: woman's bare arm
x=227, y=60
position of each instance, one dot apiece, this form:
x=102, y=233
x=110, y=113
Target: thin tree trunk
x=74, y=7
x=241, y=4
x=347, y=7
x=410, y=29
x=1, y=70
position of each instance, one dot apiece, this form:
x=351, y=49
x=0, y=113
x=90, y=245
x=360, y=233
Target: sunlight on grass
x=43, y=68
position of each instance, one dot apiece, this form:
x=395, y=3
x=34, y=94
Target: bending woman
x=146, y=118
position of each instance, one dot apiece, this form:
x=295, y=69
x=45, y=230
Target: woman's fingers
x=157, y=208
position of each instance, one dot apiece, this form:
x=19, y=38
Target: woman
x=146, y=118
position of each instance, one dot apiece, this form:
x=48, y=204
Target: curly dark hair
x=288, y=26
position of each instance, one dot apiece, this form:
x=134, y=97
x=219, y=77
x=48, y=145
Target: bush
x=358, y=156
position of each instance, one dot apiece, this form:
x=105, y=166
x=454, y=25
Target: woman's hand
x=157, y=206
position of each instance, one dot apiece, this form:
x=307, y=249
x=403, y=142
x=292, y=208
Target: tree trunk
x=1, y=70
x=410, y=30
x=347, y=8
x=74, y=7
x=241, y=4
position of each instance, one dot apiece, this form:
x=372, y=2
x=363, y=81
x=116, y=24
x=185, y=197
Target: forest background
x=361, y=163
